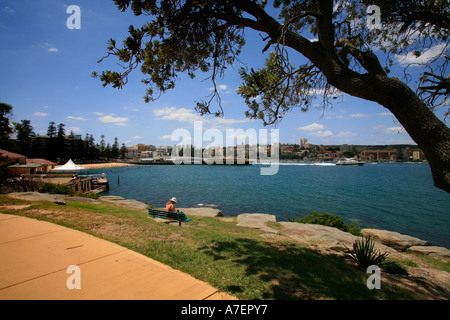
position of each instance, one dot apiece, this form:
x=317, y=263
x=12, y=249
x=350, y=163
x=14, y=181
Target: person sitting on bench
x=170, y=206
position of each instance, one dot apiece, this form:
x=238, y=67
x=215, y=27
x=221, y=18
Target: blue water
x=392, y=196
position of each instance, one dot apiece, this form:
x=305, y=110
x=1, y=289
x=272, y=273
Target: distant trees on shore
x=57, y=145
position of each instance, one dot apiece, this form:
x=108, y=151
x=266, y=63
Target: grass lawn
x=234, y=259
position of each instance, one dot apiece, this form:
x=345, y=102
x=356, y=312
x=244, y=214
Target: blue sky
x=46, y=76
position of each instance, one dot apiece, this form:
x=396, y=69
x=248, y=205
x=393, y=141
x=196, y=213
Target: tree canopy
x=345, y=52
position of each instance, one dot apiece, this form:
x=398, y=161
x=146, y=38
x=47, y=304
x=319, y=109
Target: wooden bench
x=173, y=216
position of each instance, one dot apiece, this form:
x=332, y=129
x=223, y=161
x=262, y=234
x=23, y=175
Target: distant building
x=8, y=158
x=20, y=164
x=143, y=147
x=303, y=142
x=345, y=147
x=287, y=150
x=131, y=152
x=379, y=155
x=44, y=164
x=418, y=155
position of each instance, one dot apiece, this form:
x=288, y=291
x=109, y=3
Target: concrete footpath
x=40, y=260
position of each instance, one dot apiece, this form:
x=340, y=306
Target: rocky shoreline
x=322, y=237
x=327, y=240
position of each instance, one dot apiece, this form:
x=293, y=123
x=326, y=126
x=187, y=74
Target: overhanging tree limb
x=187, y=36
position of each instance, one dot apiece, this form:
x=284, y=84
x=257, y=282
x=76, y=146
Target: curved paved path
x=36, y=257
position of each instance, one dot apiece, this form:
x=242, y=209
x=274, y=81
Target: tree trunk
x=423, y=126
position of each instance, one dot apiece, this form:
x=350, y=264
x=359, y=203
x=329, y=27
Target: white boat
x=349, y=162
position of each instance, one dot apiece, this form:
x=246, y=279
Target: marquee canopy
x=69, y=166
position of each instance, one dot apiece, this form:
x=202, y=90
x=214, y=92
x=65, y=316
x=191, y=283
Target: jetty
x=77, y=183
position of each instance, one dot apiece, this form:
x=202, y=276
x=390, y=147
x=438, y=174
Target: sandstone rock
x=326, y=238
x=394, y=240
x=430, y=250
x=257, y=221
x=128, y=203
x=82, y=199
x=204, y=212
x=37, y=196
x=318, y=234
x=111, y=198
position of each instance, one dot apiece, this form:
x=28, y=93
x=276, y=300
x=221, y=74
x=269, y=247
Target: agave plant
x=365, y=254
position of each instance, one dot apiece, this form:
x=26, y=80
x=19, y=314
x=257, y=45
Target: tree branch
x=368, y=59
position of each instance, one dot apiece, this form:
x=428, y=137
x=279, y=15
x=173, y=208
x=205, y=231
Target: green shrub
x=327, y=219
x=55, y=188
x=393, y=267
x=365, y=254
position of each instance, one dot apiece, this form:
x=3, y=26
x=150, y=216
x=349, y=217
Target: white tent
x=69, y=166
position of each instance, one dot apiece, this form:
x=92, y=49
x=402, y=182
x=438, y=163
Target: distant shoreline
x=106, y=165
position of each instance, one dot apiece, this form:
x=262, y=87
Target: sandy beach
x=106, y=165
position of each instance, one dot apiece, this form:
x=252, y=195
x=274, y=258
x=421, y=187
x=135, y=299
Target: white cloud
x=131, y=109
x=40, y=114
x=74, y=129
x=219, y=87
x=379, y=126
x=364, y=115
x=333, y=92
x=174, y=114
x=189, y=115
x=136, y=137
x=320, y=133
x=424, y=57
x=9, y=10
x=119, y=121
x=312, y=127
x=392, y=130
x=346, y=134
x=359, y=115
x=47, y=46
x=166, y=137
x=76, y=118
x=230, y=121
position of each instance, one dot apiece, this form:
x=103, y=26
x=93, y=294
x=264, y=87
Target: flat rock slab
x=394, y=240
x=128, y=203
x=257, y=221
x=203, y=212
x=327, y=238
x=56, y=198
x=37, y=196
x=317, y=234
x=430, y=250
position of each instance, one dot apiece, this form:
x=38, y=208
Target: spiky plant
x=365, y=254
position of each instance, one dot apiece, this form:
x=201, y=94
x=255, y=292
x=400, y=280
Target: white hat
x=174, y=199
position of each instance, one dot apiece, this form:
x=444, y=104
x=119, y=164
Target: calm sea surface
x=392, y=196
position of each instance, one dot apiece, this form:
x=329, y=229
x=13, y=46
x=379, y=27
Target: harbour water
x=391, y=196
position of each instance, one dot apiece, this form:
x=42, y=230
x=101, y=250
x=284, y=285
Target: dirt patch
x=15, y=207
